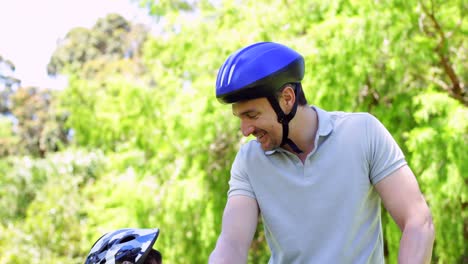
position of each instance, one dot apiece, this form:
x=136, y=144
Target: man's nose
x=247, y=128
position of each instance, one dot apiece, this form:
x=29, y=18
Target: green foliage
x=153, y=147
x=8, y=139
x=161, y=8
x=40, y=127
x=112, y=38
x=41, y=206
x=28, y=123
x=441, y=136
x=7, y=82
x=157, y=154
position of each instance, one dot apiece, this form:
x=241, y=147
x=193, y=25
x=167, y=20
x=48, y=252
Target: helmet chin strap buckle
x=281, y=118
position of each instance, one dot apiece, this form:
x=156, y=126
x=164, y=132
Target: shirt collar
x=325, y=127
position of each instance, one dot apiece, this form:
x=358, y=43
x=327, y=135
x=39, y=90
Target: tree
x=112, y=38
x=40, y=127
x=7, y=84
x=360, y=56
x=28, y=123
x=167, y=144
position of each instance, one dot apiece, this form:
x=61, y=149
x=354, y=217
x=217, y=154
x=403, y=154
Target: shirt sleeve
x=239, y=184
x=384, y=155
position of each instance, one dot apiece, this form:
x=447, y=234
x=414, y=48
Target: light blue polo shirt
x=325, y=210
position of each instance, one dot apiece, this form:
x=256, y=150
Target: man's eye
x=252, y=116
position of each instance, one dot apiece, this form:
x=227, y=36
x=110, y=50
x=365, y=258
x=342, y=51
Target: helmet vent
x=126, y=239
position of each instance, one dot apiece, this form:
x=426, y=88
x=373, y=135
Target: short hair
x=154, y=257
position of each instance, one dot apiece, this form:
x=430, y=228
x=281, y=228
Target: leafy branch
x=457, y=89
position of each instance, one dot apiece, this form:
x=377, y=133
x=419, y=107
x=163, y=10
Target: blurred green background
x=137, y=139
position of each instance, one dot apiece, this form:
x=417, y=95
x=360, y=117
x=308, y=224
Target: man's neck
x=302, y=130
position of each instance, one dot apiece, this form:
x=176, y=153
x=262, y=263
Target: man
x=317, y=178
x=126, y=246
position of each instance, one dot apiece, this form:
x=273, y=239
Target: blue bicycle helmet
x=128, y=244
x=258, y=70
x=261, y=70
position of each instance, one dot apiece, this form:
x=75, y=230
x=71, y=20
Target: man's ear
x=287, y=99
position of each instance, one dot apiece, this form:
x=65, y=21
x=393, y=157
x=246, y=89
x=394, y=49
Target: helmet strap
x=284, y=120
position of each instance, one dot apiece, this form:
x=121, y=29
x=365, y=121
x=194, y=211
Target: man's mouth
x=260, y=135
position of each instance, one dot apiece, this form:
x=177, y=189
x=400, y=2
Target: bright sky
x=29, y=30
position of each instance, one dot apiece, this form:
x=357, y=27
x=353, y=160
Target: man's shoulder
x=352, y=115
x=350, y=124
x=351, y=118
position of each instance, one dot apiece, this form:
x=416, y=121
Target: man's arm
x=403, y=200
x=238, y=228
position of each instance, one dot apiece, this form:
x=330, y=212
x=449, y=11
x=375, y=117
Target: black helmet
x=128, y=244
x=261, y=70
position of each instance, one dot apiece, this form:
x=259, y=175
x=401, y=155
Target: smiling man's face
x=259, y=119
